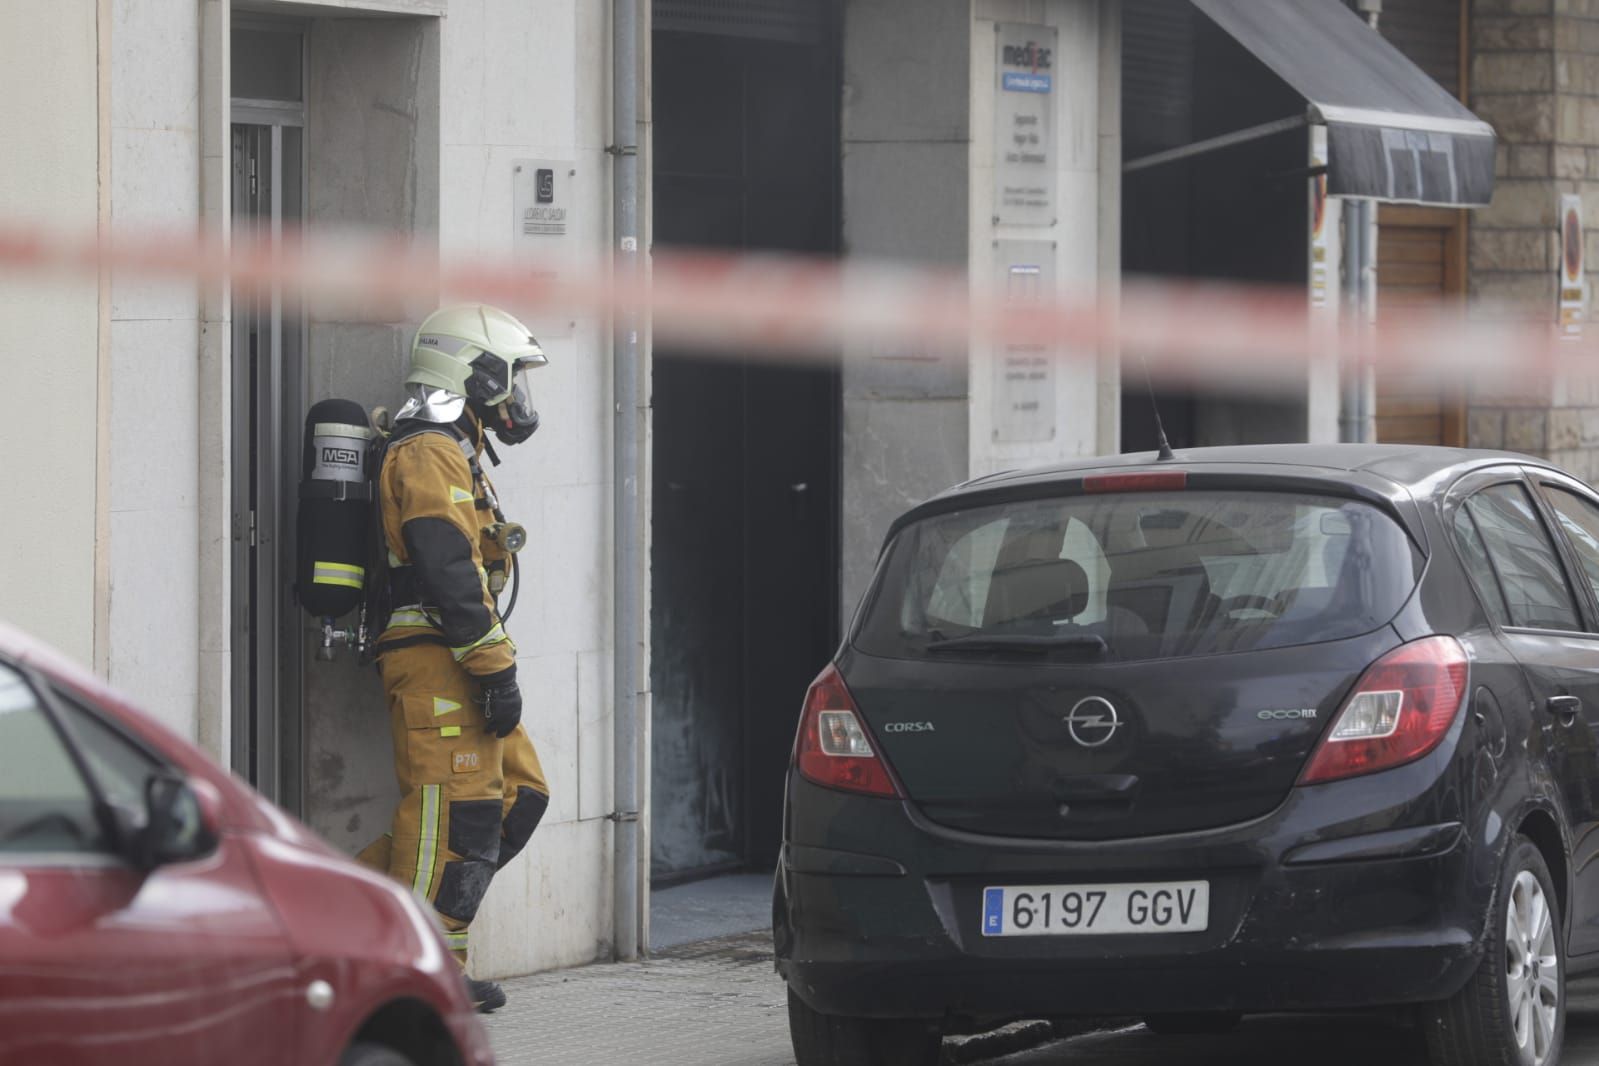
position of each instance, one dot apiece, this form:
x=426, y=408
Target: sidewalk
x=712, y=1003
x=707, y=996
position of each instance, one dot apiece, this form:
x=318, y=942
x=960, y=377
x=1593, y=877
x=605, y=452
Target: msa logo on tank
x=340, y=452
x=347, y=456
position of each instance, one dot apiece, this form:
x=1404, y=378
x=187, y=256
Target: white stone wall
x=49, y=172
x=154, y=639
x=100, y=107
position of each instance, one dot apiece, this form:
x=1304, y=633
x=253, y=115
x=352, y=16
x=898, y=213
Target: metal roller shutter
x=1428, y=32
x=1419, y=261
x=798, y=21
x=1157, y=75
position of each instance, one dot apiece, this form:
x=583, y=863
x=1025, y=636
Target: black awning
x=1393, y=133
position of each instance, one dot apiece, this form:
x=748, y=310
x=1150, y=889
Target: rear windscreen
x=1139, y=576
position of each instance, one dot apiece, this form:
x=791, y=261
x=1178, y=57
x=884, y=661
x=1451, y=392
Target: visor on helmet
x=514, y=419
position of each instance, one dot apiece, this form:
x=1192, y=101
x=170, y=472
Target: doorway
x=268, y=343
x=1421, y=261
x=745, y=565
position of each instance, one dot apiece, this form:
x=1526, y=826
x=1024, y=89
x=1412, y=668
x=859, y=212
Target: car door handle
x=1566, y=708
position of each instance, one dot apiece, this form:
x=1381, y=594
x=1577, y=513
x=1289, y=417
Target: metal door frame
x=267, y=731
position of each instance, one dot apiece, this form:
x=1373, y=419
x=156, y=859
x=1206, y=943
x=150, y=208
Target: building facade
x=984, y=136
x=172, y=456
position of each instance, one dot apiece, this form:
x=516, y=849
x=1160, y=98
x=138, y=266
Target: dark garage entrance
x=1238, y=214
x=745, y=479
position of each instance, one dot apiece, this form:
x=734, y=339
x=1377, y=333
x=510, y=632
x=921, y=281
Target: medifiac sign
x=1024, y=126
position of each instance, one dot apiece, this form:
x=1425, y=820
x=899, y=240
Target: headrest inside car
x=1037, y=589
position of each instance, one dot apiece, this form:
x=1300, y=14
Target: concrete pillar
x=906, y=131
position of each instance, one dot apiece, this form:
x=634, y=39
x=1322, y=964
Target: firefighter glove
x=502, y=707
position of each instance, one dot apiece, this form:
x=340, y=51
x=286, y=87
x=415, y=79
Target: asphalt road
x=1302, y=1041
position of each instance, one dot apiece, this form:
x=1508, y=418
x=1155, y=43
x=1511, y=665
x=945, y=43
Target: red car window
x=45, y=805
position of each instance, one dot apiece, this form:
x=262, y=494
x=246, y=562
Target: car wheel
x=373, y=1055
x=1195, y=1024
x=828, y=1040
x=1513, y=1010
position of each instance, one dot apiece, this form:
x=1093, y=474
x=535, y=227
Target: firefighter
x=472, y=790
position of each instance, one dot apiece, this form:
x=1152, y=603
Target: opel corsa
x=1289, y=728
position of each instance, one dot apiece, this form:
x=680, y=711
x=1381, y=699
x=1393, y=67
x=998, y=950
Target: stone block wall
x=1535, y=77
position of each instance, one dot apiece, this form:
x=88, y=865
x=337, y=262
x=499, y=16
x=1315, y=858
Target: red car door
x=102, y=962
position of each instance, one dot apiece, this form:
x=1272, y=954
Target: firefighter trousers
x=469, y=801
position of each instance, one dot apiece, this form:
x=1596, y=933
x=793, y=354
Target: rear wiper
x=1063, y=642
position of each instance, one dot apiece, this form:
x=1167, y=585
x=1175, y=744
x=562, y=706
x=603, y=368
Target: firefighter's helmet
x=481, y=353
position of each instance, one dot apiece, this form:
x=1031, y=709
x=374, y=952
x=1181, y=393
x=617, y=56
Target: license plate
x=1086, y=910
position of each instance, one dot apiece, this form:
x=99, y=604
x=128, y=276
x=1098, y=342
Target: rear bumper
x=994, y=993
x=1401, y=923
x=927, y=978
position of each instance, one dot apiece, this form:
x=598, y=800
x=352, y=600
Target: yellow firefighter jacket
x=437, y=507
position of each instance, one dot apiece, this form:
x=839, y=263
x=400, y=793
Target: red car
x=155, y=910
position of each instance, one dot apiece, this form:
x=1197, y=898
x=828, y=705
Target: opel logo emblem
x=1093, y=721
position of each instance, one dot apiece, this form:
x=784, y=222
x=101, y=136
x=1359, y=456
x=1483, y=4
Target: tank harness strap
x=336, y=490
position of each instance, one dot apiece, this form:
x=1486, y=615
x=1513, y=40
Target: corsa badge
x=464, y=762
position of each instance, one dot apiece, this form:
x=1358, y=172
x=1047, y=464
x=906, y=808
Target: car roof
x=1394, y=476
x=1408, y=465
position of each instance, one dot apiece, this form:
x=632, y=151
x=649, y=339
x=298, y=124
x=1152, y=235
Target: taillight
x=1401, y=709
x=833, y=748
x=1152, y=481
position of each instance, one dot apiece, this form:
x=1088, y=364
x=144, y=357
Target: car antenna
x=1165, y=455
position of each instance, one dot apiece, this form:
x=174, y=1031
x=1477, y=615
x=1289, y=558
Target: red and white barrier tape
x=797, y=308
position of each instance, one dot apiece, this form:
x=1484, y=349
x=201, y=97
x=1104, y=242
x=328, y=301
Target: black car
x=1275, y=728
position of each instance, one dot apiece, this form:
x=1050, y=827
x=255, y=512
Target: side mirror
x=178, y=824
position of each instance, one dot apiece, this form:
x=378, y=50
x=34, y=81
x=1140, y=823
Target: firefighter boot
x=487, y=996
